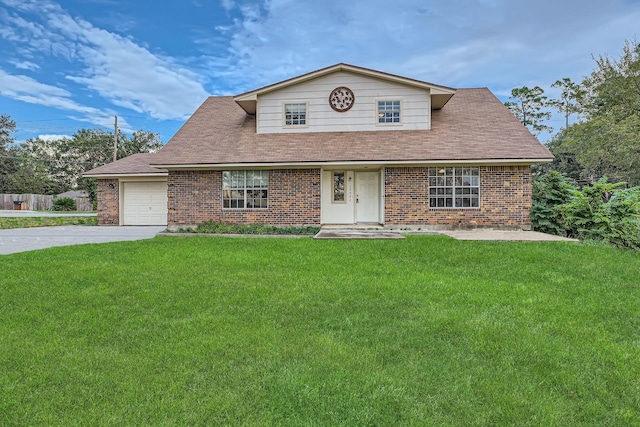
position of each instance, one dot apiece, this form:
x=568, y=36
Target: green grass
x=421, y=331
x=46, y=221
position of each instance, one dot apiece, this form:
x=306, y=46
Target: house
x=340, y=145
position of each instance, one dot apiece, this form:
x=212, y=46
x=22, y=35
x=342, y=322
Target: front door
x=367, y=197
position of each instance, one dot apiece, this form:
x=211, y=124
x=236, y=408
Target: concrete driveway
x=30, y=239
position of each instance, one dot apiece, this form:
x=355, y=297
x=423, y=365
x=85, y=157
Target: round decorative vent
x=342, y=99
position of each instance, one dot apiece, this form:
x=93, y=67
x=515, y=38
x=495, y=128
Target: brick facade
x=294, y=199
x=505, y=199
x=196, y=196
x=108, y=202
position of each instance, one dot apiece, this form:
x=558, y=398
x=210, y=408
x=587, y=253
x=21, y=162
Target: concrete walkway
x=334, y=232
x=503, y=235
x=30, y=239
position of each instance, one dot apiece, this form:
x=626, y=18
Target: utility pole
x=115, y=140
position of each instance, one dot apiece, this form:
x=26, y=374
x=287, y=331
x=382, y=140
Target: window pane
x=338, y=186
x=245, y=189
x=457, y=187
x=295, y=114
x=388, y=111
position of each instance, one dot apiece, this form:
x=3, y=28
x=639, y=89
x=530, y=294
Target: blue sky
x=72, y=64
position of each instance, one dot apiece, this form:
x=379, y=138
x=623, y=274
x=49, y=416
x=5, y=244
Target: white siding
x=416, y=106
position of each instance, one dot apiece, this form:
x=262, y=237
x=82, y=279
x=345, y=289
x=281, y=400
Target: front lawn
x=235, y=331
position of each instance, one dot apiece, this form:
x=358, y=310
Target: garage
x=144, y=203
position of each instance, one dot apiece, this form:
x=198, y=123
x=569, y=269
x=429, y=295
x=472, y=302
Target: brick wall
x=505, y=199
x=196, y=196
x=294, y=199
x=108, y=202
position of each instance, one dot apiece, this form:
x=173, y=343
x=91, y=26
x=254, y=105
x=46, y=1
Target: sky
x=71, y=64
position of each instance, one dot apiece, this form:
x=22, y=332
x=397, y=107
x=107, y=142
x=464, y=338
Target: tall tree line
x=604, y=138
x=43, y=166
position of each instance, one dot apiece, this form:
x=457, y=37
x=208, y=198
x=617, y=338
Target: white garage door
x=145, y=203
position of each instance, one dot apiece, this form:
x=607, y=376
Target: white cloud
x=26, y=89
x=460, y=42
x=51, y=137
x=227, y=4
x=118, y=69
x=497, y=43
x=15, y=86
x=25, y=65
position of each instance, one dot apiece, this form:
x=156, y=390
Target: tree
x=607, y=143
x=565, y=161
x=570, y=98
x=613, y=88
x=604, y=147
x=7, y=165
x=52, y=159
x=94, y=147
x=529, y=108
x=31, y=175
x=54, y=166
x=140, y=142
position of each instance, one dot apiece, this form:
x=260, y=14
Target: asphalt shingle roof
x=473, y=125
x=134, y=164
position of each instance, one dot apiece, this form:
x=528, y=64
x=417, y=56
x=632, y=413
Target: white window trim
x=284, y=115
x=400, y=123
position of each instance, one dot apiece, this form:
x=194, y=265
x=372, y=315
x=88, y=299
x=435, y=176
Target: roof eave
x=126, y=175
x=248, y=100
x=358, y=163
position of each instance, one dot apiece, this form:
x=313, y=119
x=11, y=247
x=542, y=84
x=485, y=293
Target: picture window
x=454, y=187
x=245, y=189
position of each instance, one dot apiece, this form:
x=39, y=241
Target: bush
x=549, y=192
x=64, y=204
x=221, y=228
x=605, y=212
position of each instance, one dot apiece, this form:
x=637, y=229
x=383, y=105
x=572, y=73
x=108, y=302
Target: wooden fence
x=38, y=202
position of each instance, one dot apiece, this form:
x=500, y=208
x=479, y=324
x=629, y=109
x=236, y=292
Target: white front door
x=367, y=196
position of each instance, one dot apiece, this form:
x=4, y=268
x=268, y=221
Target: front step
x=351, y=233
x=366, y=226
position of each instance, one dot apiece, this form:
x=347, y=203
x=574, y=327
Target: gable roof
x=440, y=95
x=474, y=126
x=136, y=164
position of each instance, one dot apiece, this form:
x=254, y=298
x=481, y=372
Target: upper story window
x=389, y=112
x=295, y=114
x=245, y=189
x=454, y=187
